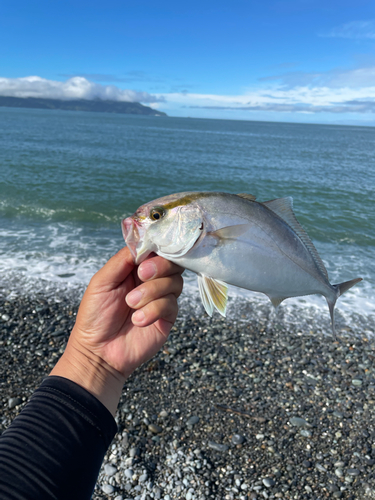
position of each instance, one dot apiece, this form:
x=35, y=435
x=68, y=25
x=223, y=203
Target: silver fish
x=233, y=239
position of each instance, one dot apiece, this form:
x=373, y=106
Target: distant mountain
x=132, y=108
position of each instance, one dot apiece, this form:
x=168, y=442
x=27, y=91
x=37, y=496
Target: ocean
x=68, y=178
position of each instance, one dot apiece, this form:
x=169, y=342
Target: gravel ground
x=227, y=410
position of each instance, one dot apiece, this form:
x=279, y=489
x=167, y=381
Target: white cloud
x=299, y=99
x=338, y=91
x=75, y=88
x=355, y=30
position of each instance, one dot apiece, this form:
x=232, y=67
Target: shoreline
x=227, y=410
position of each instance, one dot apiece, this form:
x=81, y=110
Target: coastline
x=227, y=410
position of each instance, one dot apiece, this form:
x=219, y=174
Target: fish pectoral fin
x=230, y=232
x=214, y=294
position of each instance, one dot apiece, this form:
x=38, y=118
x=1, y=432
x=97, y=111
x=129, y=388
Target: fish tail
x=339, y=289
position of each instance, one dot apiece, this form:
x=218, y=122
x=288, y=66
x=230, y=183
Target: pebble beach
x=229, y=409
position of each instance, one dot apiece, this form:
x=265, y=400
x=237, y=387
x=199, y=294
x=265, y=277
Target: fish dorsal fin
x=214, y=294
x=283, y=207
x=247, y=196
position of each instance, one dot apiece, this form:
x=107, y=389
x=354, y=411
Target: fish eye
x=157, y=213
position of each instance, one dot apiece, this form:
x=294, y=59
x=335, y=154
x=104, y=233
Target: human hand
x=114, y=334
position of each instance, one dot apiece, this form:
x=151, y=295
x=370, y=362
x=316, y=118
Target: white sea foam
x=62, y=258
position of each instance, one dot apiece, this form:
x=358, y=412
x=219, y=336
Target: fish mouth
x=133, y=234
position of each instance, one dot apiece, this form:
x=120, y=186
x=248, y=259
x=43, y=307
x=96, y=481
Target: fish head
x=169, y=226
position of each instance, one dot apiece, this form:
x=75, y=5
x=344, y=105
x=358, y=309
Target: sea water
x=68, y=178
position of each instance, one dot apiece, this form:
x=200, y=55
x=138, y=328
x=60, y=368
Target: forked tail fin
x=340, y=289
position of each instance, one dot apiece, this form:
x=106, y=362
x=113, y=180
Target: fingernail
x=146, y=270
x=133, y=297
x=138, y=316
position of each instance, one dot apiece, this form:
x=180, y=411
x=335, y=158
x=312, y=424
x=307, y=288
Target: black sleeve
x=54, y=448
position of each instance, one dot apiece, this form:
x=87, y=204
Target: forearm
x=89, y=371
x=55, y=447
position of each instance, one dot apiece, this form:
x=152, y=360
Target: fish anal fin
x=214, y=294
x=247, y=196
x=230, y=232
x=276, y=301
x=283, y=207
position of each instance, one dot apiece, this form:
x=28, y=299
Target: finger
x=165, y=308
x=153, y=290
x=157, y=267
x=115, y=271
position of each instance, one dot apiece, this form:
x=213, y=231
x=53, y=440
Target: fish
x=232, y=239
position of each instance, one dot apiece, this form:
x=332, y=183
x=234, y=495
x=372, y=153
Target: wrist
x=91, y=372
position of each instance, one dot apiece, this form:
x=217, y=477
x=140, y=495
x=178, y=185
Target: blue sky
x=279, y=60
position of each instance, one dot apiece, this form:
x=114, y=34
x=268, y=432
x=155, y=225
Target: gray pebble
x=339, y=464
x=109, y=470
x=155, y=429
x=353, y=472
x=299, y=422
x=5, y=317
x=305, y=433
x=237, y=439
x=142, y=478
x=12, y=402
x=339, y=472
x=129, y=473
x=217, y=446
x=192, y=420
x=321, y=468
x=268, y=482
x=357, y=382
x=107, y=488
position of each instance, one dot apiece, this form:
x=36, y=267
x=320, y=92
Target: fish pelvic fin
x=340, y=289
x=214, y=294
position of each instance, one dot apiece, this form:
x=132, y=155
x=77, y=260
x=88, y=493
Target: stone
x=353, y=472
x=217, y=446
x=237, y=439
x=129, y=473
x=268, y=482
x=357, y=382
x=107, y=489
x=109, y=470
x=155, y=429
x=12, y=402
x=299, y=422
x=192, y=420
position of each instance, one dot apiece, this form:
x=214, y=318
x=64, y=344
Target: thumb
x=115, y=271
